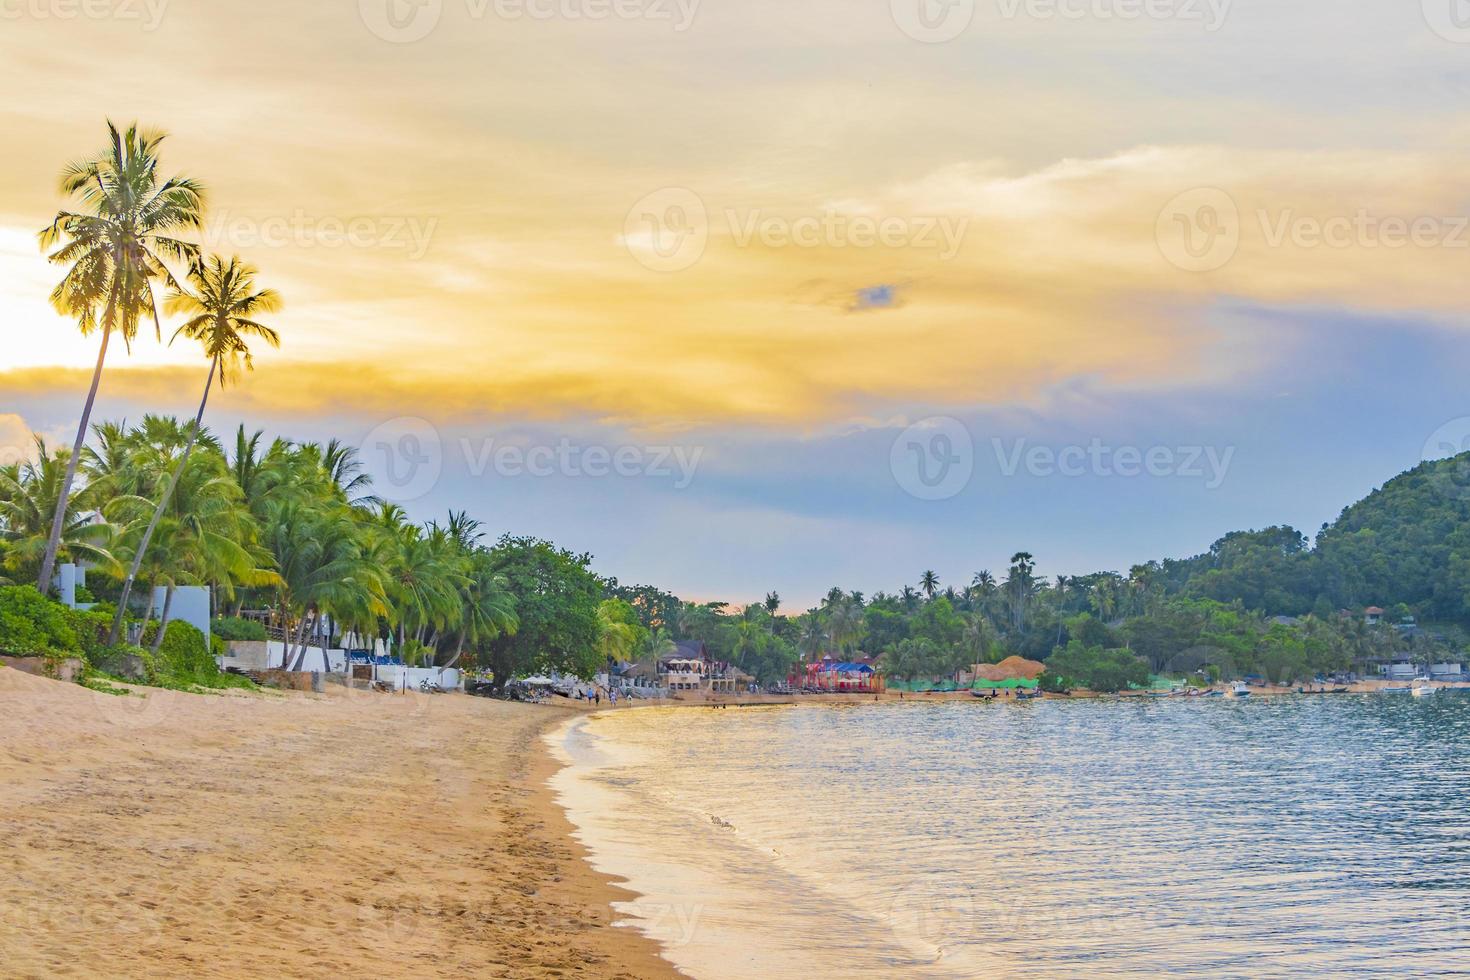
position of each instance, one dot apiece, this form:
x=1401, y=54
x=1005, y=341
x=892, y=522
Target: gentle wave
x=1326, y=835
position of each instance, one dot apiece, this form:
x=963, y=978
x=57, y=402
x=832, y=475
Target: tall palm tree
x=929, y=584
x=344, y=466
x=489, y=606
x=115, y=247
x=223, y=308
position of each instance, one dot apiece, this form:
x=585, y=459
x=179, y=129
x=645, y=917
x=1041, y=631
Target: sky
x=786, y=294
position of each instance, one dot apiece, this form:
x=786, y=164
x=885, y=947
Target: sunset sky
x=763, y=239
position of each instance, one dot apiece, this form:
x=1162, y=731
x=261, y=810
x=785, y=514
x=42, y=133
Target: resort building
x=841, y=676
x=689, y=668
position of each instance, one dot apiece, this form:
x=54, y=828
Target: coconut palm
x=115, y=246
x=811, y=635
x=344, y=466
x=221, y=314
x=489, y=607
x=206, y=535
x=929, y=584
x=324, y=568
x=28, y=496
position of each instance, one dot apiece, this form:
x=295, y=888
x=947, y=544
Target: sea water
x=1323, y=835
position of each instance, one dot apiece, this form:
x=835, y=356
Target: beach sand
x=285, y=835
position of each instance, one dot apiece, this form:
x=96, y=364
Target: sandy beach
x=347, y=834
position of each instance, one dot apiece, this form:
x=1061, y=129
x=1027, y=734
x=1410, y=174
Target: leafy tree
x=114, y=247
x=557, y=600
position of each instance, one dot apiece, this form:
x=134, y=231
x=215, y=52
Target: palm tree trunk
x=458, y=652
x=53, y=544
x=148, y=612
x=168, y=492
x=300, y=643
x=168, y=601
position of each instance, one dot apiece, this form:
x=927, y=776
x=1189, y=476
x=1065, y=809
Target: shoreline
x=280, y=834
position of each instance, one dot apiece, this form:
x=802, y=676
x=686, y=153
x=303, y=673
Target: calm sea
x=1215, y=837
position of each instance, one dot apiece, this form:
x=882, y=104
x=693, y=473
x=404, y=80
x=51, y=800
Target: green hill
x=1405, y=544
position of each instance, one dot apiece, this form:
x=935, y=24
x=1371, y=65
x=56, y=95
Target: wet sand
x=347, y=834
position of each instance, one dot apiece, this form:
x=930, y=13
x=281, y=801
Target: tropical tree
x=221, y=314
x=28, y=498
x=115, y=245
x=929, y=584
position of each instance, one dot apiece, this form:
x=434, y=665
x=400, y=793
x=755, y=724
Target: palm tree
x=206, y=535
x=979, y=637
x=115, y=249
x=616, y=638
x=223, y=309
x=812, y=638
x=28, y=494
x=929, y=584
x=772, y=604
x=324, y=569
x=489, y=606
x=909, y=598
x=345, y=469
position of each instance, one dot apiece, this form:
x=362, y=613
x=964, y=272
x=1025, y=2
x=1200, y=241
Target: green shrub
x=232, y=628
x=33, y=625
x=91, y=628
x=184, y=660
x=116, y=662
